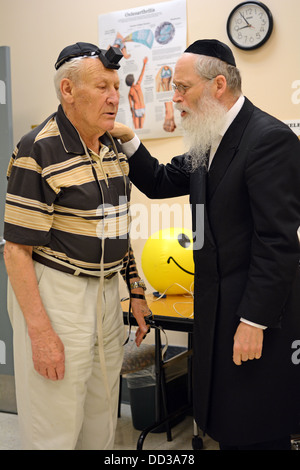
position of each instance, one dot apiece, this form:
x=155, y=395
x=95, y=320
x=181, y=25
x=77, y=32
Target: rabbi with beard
x=243, y=166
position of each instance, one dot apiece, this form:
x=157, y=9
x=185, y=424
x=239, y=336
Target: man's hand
x=48, y=354
x=140, y=310
x=122, y=132
x=248, y=342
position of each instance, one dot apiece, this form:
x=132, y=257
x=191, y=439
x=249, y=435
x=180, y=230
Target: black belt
x=65, y=269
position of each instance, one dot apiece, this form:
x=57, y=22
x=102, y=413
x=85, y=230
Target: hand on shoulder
x=122, y=132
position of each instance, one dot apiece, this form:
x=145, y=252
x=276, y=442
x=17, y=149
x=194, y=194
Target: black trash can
x=141, y=386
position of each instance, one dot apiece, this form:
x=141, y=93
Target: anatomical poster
x=151, y=39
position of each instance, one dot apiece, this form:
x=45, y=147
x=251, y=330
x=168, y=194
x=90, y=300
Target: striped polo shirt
x=63, y=200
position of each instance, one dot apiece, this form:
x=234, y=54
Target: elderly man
x=66, y=231
x=244, y=167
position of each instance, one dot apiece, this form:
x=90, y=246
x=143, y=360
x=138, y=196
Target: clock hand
x=244, y=19
x=247, y=26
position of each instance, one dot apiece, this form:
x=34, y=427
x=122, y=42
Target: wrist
x=137, y=294
x=137, y=289
x=39, y=325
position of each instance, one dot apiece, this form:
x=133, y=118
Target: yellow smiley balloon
x=167, y=261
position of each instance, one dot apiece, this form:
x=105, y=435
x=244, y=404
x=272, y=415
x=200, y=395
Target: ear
x=220, y=84
x=66, y=89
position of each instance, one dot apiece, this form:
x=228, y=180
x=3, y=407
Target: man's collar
x=68, y=133
x=232, y=114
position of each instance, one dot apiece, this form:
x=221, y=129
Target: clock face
x=249, y=25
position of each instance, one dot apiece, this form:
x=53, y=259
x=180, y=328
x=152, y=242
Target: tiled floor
x=182, y=435
x=9, y=432
x=126, y=435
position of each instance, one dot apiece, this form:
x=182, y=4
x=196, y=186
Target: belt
x=65, y=269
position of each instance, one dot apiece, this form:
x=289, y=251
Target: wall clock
x=249, y=25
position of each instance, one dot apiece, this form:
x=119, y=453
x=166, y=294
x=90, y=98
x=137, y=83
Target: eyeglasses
x=180, y=88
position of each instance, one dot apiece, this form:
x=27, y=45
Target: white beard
x=201, y=128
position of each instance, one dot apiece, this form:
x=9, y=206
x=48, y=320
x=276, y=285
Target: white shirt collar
x=232, y=114
x=229, y=118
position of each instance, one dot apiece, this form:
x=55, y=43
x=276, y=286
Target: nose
x=177, y=97
x=113, y=97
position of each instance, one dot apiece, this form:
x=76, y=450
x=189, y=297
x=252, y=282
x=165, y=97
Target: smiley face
x=167, y=261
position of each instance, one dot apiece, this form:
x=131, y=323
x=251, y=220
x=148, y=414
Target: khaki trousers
x=73, y=413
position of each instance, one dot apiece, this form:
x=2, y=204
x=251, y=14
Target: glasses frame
x=182, y=89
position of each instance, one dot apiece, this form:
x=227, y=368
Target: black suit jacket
x=248, y=267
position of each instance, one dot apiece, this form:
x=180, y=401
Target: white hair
x=210, y=67
x=71, y=70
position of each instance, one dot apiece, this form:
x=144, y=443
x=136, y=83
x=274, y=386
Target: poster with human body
x=151, y=38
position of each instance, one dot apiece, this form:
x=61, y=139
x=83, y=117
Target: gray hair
x=71, y=70
x=210, y=67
